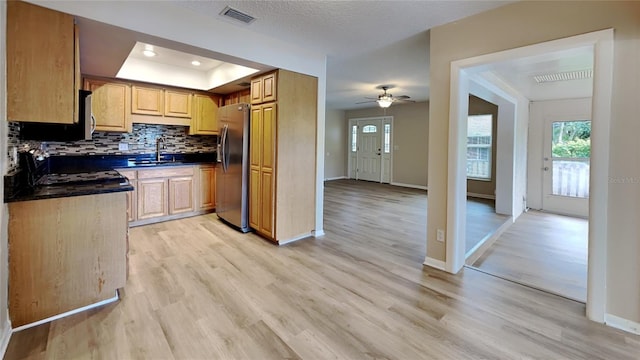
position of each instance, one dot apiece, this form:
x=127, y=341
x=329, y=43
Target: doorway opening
x=370, y=149
x=464, y=74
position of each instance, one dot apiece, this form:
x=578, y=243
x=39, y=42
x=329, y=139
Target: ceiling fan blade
x=405, y=100
x=371, y=98
x=364, y=102
x=402, y=97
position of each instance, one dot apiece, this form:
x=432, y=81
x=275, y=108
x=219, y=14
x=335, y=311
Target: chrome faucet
x=158, y=148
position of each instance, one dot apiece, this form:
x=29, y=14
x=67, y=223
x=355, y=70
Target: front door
x=567, y=151
x=369, y=150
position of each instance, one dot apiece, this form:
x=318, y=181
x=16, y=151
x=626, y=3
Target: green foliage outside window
x=571, y=139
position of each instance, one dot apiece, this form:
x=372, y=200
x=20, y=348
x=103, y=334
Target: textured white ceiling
x=367, y=43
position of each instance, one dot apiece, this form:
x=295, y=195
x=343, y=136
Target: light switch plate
x=123, y=146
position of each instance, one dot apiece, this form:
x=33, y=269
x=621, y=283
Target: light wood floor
x=200, y=290
x=482, y=221
x=543, y=250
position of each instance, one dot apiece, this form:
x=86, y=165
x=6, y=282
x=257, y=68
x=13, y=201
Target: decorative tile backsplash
x=141, y=141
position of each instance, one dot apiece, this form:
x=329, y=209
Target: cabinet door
x=266, y=204
x=262, y=163
x=205, y=116
x=268, y=135
x=207, y=188
x=146, y=101
x=256, y=91
x=255, y=143
x=181, y=195
x=177, y=104
x=41, y=58
x=254, y=198
x=269, y=88
x=152, y=198
x=110, y=104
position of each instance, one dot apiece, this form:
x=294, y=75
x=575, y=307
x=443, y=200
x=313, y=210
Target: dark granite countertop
x=16, y=189
x=58, y=191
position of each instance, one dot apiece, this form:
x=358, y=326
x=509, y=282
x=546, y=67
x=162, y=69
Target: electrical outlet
x=123, y=146
x=440, y=235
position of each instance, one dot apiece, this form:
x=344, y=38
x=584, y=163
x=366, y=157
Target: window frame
x=479, y=145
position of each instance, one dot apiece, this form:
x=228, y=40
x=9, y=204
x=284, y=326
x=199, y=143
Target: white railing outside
x=571, y=178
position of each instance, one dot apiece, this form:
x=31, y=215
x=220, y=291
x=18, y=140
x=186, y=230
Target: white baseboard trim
x=317, y=233
x=335, y=178
x=303, y=236
x=481, y=196
x=622, y=324
x=68, y=313
x=434, y=263
x=5, y=337
x=421, y=187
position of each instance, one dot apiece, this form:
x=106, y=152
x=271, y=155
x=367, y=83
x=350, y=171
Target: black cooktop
x=81, y=178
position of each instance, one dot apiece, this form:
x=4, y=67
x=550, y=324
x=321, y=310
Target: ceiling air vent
x=237, y=15
x=564, y=76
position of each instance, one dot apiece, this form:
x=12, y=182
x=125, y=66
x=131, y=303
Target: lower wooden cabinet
x=66, y=253
x=206, y=187
x=152, y=198
x=181, y=195
x=169, y=192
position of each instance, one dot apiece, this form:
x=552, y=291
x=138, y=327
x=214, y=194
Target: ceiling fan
x=385, y=99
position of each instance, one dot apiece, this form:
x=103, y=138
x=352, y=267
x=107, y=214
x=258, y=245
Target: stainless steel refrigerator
x=232, y=172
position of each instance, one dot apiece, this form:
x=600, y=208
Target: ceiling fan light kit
x=384, y=102
x=385, y=99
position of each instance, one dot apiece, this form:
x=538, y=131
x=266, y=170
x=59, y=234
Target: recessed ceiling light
x=195, y=63
x=148, y=51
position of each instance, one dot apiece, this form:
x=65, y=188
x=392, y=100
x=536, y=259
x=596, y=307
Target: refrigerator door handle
x=225, y=148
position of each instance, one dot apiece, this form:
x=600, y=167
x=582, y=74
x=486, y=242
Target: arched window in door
x=369, y=129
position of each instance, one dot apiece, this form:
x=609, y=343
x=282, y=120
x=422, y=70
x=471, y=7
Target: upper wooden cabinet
x=110, y=104
x=147, y=101
x=205, y=115
x=264, y=88
x=43, y=69
x=177, y=104
x=160, y=102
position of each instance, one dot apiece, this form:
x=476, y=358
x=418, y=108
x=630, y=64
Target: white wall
x=540, y=111
x=335, y=145
x=410, y=145
x=5, y=325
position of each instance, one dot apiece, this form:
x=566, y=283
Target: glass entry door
x=567, y=152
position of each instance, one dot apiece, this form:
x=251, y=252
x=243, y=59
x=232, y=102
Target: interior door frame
x=602, y=43
x=350, y=164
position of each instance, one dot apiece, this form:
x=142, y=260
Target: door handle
x=546, y=168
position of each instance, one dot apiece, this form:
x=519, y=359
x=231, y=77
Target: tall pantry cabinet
x=283, y=155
